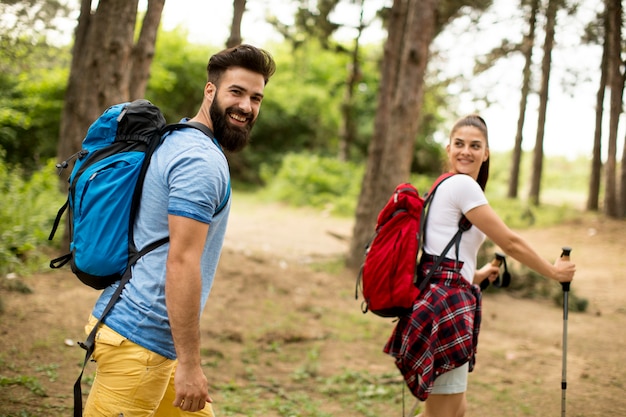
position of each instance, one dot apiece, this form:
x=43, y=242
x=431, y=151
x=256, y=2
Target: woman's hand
x=564, y=270
x=488, y=271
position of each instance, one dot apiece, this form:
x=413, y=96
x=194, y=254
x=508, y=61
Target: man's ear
x=209, y=91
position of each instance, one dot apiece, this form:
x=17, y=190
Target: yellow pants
x=132, y=381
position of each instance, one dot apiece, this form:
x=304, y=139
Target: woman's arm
x=487, y=220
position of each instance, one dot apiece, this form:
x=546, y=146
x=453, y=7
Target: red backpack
x=389, y=277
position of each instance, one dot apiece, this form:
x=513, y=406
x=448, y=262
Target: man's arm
x=183, y=287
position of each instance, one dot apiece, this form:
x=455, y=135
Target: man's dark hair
x=244, y=56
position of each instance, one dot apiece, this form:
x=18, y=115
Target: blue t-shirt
x=188, y=176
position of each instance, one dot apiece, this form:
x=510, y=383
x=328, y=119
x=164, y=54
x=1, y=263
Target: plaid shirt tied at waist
x=441, y=333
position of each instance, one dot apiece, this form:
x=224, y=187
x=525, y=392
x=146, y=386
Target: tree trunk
x=527, y=48
x=76, y=115
x=410, y=32
x=102, y=60
x=143, y=51
x=239, y=7
x=543, y=102
x=616, y=82
x=99, y=71
x=622, y=186
x=348, y=130
x=596, y=159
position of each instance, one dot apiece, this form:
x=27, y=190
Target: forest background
x=344, y=120
x=362, y=106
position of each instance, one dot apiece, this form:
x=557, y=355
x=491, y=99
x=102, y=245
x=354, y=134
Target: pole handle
x=565, y=255
x=496, y=261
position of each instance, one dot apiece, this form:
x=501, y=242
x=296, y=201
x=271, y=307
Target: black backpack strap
x=464, y=225
x=455, y=241
x=89, y=343
x=57, y=220
x=208, y=132
x=201, y=127
x=195, y=125
x=60, y=261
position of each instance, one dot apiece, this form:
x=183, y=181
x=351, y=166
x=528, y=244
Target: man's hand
x=191, y=386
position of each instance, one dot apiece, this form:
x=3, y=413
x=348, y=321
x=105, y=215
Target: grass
x=305, y=393
x=308, y=387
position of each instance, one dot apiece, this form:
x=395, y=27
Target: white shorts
x=452, y=382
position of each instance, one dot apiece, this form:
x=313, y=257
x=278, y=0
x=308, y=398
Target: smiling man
x=148, y=347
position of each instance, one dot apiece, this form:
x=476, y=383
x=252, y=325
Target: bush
x=28, y=209
x=315, y=181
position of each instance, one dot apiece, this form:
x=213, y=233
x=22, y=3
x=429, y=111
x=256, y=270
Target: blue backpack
x=104, y=193
x=105, y=188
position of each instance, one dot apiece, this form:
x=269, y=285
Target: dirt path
x=521, y=340
x=271, y=317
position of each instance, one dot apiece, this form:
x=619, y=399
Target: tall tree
x=528, y=44
x=143, y=50
x=348, y=131
x=412, y=26
x=596, y=156
x=31, y=79
x=546, y=64
x=316, y=22
x=411, y=29
x=105, y=61
x=616, y=83
x=239, y=7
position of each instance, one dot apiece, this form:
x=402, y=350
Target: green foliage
x=362, y=392
x=315, y=181
x=326, y=183
x=26, y=215
x=518, y=214
x=30, y=22
x=300, y=111
x=178, y=75
x=29, y=382
x=30, y=107
x=562, y=179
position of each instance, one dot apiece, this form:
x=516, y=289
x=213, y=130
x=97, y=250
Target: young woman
x=435, y=346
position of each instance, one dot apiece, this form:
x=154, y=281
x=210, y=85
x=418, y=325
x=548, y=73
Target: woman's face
x=467, y=150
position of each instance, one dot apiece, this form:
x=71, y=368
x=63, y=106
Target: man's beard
x=232, y=138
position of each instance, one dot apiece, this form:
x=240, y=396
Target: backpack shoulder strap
x=90, y=343
x=208, y=132
x=194, y=125
x=464, y=225
x=201, y=127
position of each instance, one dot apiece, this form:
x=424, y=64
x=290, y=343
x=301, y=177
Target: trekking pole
x=565, y=256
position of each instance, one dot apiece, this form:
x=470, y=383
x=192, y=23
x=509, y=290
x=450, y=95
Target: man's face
x=236, y=106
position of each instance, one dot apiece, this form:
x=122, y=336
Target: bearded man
x=147, y=348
